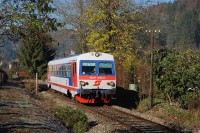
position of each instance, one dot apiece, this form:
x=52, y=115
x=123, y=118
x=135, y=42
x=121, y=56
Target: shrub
x=44, y=77
x=194, y=101
x=72, y=118
x=30, y=86
x=175, y=72
x=143, y=105
x=80, y=127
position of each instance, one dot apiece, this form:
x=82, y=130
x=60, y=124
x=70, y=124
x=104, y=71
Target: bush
x=175, y=72
x=80, y=127
x=72, y=118
x=194, y=101
x=30, y=86
x=143, y=105
x=44, y=77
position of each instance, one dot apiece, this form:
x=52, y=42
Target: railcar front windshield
x=88, y=68
x=97, y=68
x=105, y=68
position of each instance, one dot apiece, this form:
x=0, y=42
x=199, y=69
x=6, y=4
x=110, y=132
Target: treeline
x=178, y=22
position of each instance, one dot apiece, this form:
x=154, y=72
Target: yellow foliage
x=110, y=29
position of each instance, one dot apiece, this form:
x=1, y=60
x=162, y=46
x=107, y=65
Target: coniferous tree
x=35, y=54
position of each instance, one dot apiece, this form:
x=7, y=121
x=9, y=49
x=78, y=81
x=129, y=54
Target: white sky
x=151, y=2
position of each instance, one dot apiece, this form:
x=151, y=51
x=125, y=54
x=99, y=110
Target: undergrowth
x=189, y=119
x=72, y=118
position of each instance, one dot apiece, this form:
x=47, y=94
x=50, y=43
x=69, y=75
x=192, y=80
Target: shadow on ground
x=125, y=98
x=43, y=87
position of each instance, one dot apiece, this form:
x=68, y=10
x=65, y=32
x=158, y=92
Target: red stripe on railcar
x=63, y=86
x=97, y=77
x=92, y=100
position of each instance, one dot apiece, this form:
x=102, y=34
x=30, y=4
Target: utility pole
x=152, y=34
x=151, y=72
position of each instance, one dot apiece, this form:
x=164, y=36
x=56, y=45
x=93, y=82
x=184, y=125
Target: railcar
x=87, y=78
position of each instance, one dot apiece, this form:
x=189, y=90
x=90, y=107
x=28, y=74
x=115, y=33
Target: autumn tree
x=112, y=25
x=29, y=20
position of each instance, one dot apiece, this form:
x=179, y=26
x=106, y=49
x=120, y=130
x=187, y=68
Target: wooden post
x=151, y=71
x=36, y=82
x=151, y=66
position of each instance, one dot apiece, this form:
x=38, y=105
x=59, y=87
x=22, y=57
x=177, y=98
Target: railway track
x=131, y=122
x=125, y=121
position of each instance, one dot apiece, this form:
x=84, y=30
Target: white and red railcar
x=88, y=77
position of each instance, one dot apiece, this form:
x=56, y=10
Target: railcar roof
x=82, y=56
x=66, y=57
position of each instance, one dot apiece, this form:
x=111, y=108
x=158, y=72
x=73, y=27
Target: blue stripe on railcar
x=70, y=81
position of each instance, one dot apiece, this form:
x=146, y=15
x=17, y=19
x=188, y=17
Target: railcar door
x=74, y=74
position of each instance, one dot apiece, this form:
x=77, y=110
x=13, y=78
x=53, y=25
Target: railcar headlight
x=82, y=83
x=112, y=83
x=97, y=54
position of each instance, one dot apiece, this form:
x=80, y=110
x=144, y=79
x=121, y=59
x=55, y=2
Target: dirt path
x=19, y=114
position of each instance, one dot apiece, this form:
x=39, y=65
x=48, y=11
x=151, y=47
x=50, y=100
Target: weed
x=30, y=86
x=80, y=127
x=40, y=96
x=143, y=106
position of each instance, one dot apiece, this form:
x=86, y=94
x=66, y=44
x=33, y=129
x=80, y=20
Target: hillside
x=9, y=50
x=178, y=22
